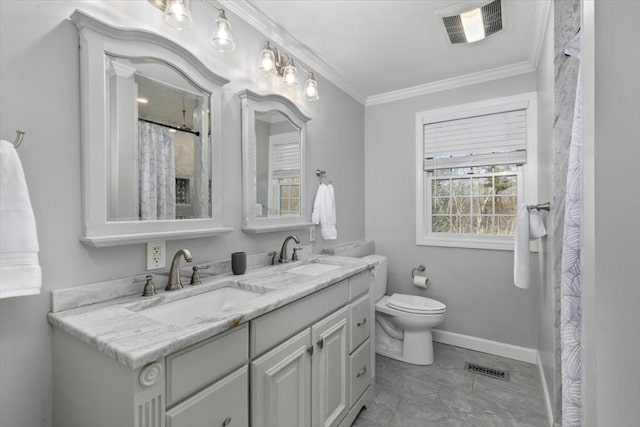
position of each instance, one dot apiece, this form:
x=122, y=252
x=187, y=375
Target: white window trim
x=528, y=178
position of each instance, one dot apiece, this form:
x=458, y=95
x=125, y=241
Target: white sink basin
x=200, y=307
x=313, y=269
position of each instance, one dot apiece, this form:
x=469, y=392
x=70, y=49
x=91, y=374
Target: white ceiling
x=374, y=48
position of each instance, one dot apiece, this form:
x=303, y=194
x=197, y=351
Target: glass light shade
x=311, y=89
x=222, y=39
x=177, y=13
x=268, y=62
x=289, y=76
x=473, y=25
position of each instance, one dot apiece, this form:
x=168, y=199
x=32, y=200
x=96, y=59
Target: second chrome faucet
x=283, y=250
x=174, y=282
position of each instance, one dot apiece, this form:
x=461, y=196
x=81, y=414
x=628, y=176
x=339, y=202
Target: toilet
x=403, y=322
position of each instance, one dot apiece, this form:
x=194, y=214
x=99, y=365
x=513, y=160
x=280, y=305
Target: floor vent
x=490, y=372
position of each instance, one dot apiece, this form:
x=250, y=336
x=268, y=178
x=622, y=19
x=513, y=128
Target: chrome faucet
x=283, y=251
x=174, y=282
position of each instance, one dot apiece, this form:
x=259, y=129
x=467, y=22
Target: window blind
x=489, y=139
x=286, y=160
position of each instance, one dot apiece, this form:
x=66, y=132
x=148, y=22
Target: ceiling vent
x=472, y=22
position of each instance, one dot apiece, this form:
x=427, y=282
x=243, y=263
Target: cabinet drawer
x=227, y=399
x=197, y=366
x=359, y=284
x=275, y=327
x=360, y=313
x=360, y=371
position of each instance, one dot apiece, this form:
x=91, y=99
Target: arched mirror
x=273, y=156
x=151, y=118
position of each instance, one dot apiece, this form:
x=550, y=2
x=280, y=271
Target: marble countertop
x=118, y=327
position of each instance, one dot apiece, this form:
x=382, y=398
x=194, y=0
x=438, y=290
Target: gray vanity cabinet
x=307, y=363
x=311, y=364
x=281, y=384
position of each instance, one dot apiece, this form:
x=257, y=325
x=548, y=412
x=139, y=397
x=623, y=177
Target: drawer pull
x=226, y=422
x=364, y=322
x=320, y=343
x=364, y=371
x=310, y=350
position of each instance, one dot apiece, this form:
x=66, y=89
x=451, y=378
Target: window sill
x=497, y=244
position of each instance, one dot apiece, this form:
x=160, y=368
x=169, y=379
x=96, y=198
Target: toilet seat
x=415, y=304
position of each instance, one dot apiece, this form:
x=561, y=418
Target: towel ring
x=420, y=268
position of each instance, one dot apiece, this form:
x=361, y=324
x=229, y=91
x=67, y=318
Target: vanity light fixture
x=222, y=39
x=273, y=62
x=472, y=21
x=177, y=13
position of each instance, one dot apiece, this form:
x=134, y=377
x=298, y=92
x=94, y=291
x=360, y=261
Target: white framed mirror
x=274, y=132
x=151, y=138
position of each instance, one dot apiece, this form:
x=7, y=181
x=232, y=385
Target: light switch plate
x=156, y=257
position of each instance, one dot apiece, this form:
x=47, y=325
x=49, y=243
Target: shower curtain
x=157, y=166
x=571, y=271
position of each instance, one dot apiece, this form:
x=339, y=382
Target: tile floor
x=444, y=394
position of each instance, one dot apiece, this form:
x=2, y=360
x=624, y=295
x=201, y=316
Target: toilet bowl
x=403, y=322
x=403, y=327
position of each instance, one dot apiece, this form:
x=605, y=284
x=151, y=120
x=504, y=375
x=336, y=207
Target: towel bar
x=541, y=206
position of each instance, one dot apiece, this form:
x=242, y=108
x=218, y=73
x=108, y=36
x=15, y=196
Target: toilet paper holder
x=420, y=268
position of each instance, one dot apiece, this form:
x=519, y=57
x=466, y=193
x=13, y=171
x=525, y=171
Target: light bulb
x=311, y=88
x=473, y=25
x=268, y=62
x=222, y=39
x=177, y=13
x=289, y=76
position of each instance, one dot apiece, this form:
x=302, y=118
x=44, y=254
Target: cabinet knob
x=226, y=422
x=364, y=371
x=310, y=350
x=320, y=343
x=364, y=322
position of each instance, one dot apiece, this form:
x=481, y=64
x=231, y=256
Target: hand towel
x=529, y=226
x=20, y=272
x=324, y=212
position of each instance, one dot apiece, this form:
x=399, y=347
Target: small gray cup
x=239, y=263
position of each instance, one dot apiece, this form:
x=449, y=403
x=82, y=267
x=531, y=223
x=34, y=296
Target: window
x=475, y=165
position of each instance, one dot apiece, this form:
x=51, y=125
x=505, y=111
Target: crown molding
x=543, y=9
x=279, y=36
x=452, y=83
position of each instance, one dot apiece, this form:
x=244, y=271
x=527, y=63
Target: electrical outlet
x=156, y=255
x=312, y=233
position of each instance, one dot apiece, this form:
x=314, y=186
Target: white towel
x=529, y=226
x=19, y=266
x=324, y=212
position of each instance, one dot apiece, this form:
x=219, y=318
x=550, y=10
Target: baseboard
x=545, y=389
x=510, y=351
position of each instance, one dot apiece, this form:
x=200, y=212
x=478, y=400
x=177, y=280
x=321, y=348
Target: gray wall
x=611, y=291
x=39, y=82
x=476, y=285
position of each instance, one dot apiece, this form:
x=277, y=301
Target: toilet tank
x=365, y=249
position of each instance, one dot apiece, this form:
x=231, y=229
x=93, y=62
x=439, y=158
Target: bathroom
x=367, y=146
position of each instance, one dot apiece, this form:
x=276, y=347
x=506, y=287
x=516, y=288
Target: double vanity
x=285, y=345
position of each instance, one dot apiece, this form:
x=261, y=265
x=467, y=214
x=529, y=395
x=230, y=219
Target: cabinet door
x=329, y=371
x=224, y=404
x=281, y=384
